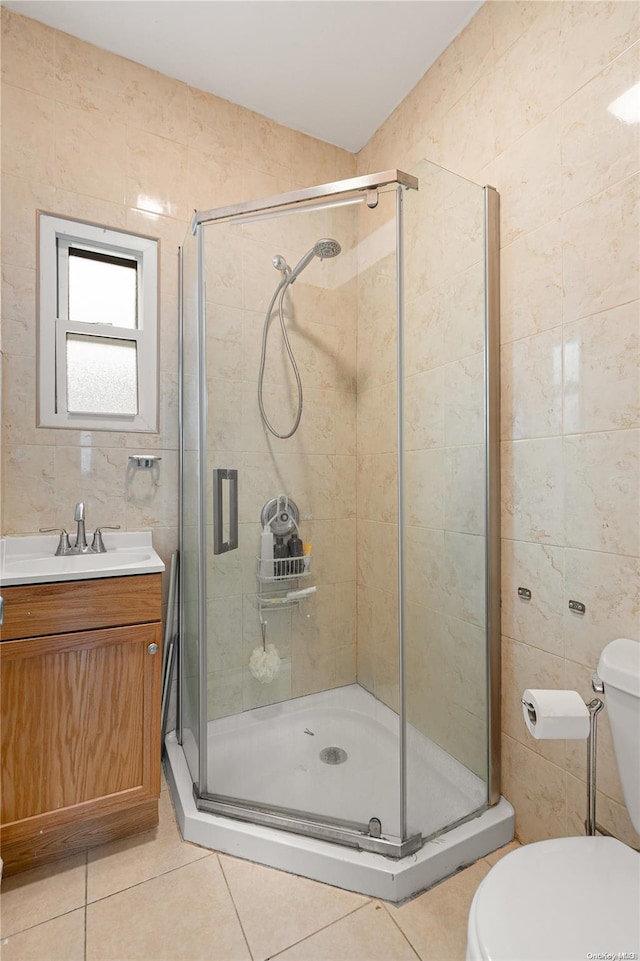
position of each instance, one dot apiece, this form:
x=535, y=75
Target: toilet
x=572, y=898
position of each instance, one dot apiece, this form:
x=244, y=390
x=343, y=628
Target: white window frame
x=55, y=236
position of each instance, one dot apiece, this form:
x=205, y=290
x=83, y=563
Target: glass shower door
x=320, y=742
x=446, y=547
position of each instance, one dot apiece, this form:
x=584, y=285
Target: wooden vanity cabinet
x=80, y=678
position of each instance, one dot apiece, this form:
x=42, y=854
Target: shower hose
x=278, y=295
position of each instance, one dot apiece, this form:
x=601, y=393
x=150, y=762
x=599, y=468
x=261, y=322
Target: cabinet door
x=80, y=723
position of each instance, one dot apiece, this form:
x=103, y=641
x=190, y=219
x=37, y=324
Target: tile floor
x=155, y=897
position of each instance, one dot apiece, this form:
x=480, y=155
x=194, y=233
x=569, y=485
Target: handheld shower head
x=324, y=249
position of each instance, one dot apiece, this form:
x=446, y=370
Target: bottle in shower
x=280, y=552
x=295, y=552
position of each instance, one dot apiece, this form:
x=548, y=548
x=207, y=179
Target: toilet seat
x=567, y=898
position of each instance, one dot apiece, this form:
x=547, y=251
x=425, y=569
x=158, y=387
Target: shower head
x=324, y=249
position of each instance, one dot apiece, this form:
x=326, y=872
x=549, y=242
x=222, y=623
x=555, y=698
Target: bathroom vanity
x=80, y=676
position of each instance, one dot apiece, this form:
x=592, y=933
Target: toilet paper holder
x=594, y=707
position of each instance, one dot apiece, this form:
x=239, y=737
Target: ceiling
x=334, y=69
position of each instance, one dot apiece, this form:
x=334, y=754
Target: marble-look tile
x=28, y=140
x=609, y=586
x=195, y=927
x=42, y=893
x=61, y=939
x=225, y=693
x=20, y=200
x=30, y=489
x=156, y=172
x=463, y=576
x=528, y=667
x=129, y=861
x=531, y=283
x=531, y=386
x=28, y=53
x=613, y=816
x=18, y=310
x=376, y=418
x=424, y=410
x=600, y=252
x=602, y=371
x=378, y=555
x=532, y=490
x=210, y=183
x=593, y=35
x=457, y=141
x=464, y=401
x=602, y=512
x=225, y=633
x=377, y=487
x=538, y=621
x=463, y=63
x=367, y=934
x=519, y=106
x=528, y=178
x=424, y=490
x=68, y=203
x=151, y=497
x=435, y=922
x=464, y=471
x=424, y=560
x=599, y=149
x=215, y=126
x=90, y=153
x=279, y=909
x=170, y=233
x=103, y=83
x=536, y=788
x=266, y=145
x=95, y=476
x=19, y=403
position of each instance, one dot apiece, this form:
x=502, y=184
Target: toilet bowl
x=578, y=898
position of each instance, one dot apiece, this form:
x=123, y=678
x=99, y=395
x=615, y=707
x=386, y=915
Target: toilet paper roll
x=555, y=714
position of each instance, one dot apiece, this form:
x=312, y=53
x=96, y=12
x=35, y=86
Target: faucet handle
x=97, y=544
x=63, y=546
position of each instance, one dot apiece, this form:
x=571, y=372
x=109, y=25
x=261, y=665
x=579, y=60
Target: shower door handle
x=221, y=474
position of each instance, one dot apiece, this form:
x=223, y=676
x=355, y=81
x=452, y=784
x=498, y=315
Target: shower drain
x=333, y=755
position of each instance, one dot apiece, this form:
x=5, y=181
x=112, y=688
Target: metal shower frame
x=358, y=835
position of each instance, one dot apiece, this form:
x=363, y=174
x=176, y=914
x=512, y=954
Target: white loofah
x=264, y=665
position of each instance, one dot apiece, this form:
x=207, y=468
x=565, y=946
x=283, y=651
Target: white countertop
x=31, y=559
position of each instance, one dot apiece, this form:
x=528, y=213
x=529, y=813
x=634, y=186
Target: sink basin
x=32, y=560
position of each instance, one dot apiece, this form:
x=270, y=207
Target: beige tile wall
x=519, y=100
x=90, y=135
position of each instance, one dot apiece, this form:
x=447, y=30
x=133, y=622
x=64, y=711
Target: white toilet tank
x=619, y=669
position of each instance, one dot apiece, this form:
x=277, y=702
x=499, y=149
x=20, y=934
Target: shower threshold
x=350, y=720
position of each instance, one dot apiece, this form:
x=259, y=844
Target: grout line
x=403, y=933
x=235, y=907
x=32, y=927
x=160, y=874
x=325, y=927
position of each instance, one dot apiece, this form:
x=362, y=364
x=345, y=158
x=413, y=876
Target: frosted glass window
x=101, y=375
x=102, y=289
x=97, y=327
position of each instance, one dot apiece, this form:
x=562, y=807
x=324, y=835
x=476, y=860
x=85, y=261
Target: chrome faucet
x=80, y=546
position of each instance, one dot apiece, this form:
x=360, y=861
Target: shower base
x=327, y=752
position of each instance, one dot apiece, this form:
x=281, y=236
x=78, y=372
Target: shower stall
x=338, y=689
